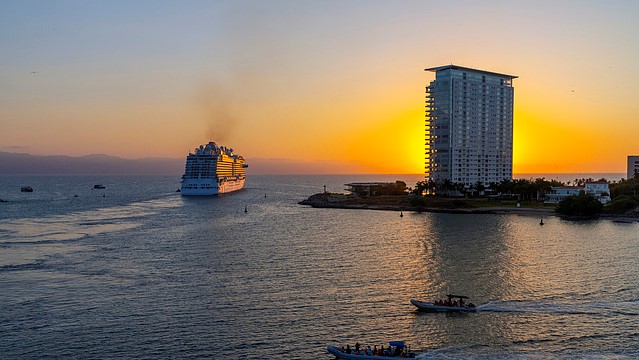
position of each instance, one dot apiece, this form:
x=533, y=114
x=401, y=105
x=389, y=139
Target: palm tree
x=447, y=186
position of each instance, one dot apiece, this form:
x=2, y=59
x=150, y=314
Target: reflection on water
x=560, y=285
x=194, y=277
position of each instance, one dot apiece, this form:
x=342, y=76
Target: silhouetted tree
x=580, y=205
x=629, y=187
x=621, y=204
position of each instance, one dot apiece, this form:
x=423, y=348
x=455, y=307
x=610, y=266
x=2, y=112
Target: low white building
x=598, y=189
x=559, y=193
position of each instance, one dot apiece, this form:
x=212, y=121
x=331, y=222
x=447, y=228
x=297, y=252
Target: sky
x=337, y=86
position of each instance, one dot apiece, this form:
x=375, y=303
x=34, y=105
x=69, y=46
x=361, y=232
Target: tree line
x=624, y=193
x=523, y=189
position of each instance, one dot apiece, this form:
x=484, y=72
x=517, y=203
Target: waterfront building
x=633, y=166
x=376, y=188
x=469, y=125
x=598, y=189
x=558, y=193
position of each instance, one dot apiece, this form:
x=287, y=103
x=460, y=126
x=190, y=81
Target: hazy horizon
x=257, y=166
x=339, y=82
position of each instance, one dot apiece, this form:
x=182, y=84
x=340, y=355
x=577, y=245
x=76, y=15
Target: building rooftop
x=370, y=184
x=456, y=67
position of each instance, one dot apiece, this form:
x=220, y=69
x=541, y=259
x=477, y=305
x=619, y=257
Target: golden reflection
x=466, y=255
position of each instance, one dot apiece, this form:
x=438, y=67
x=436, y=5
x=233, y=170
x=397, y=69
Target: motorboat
x=98, y=186
x=26, y=189
x=395, y=349
x=454, y=303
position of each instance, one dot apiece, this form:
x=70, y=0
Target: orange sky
x=339, y=87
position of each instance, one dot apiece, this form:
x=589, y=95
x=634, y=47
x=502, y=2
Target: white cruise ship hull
x=211, y=170
x=207, y=187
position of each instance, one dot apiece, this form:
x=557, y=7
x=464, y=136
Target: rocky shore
x=402, y=203
x=452, y=206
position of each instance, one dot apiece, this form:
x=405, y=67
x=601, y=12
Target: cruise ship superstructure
x=211, y=170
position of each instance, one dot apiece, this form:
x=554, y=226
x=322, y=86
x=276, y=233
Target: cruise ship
x=211, y=170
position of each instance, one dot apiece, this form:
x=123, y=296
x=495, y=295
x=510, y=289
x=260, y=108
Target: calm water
x=137, y=271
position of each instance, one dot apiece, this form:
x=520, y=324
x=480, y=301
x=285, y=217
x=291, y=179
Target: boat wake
x=26, y=240
x=620, y=307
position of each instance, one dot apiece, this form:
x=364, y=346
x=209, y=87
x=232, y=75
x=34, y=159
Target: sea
x=136, y=271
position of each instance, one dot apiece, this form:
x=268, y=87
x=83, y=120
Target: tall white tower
x=469, y=125
x=633, y=166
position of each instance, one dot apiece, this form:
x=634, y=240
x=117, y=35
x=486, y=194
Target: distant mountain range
x=20, y=163
x=27, y=164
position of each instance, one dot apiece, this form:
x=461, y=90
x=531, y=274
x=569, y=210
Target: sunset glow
x=311, y=82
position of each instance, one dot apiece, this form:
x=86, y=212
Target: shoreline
x=400, y=203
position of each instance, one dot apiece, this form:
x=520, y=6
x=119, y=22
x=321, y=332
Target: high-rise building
x=633, y=166
x=469, y=125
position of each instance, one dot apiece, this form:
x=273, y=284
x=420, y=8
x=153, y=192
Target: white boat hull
x=208, y=187
x=428, y=306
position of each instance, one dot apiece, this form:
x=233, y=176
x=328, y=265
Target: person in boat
x=461, y=302
x=375, y=350
x=398, y=351
x=357, y=348
x=342, y=349
x=348, y=349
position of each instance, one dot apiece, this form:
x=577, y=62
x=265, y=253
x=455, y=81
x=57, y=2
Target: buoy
x=541, y=223
x=401, y=214
x=245, y=209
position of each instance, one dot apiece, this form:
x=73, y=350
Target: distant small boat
x=26, y=189
x=447, y=306
x=99, y=186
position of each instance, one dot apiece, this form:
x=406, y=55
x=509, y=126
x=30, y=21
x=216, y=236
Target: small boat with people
x=99, y=186
x=26, y=189
x=397, y=349
x=452, y=303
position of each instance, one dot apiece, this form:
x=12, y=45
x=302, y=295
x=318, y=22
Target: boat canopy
x=397, y=344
